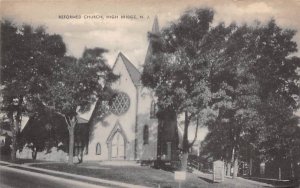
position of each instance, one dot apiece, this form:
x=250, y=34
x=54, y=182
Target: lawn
x=141, y=175
x=7, y=158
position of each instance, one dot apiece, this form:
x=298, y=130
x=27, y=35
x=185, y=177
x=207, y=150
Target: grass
x=7, y=158
x=141, y=175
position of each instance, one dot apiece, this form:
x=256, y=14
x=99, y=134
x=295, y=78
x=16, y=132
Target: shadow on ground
x=206, y=179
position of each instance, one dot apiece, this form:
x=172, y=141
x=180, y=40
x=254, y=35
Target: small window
x=153, y=109
x=98, y=149
x=146, y=134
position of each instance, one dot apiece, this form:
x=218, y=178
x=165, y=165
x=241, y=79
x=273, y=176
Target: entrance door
x=118, y=147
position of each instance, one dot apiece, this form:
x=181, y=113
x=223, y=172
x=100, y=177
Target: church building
x=130, y=131
x=130, y=128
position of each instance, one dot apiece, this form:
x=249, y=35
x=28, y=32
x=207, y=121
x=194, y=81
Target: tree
x=43, y=131
x=275, y=69
x=229, y=72
x=280, y=141
x=76, y=86
x=242, y=90
x=181, y=69
x=28, y=58
x=260, y=70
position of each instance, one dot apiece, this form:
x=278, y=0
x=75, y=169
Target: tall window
x=98, y=149
x=153, y=109
x=146, y=134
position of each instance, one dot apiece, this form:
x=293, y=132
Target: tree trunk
x=184, y=161
x=71, y=144
x=228, y=169
x=15, y=129
x=15, y=122
x=292, y=165
x=185, y=144
x=235, y=167
x=292, y=170
x=71, y=127
x=279, y=173
x=250, y=166
x=34, y=153
x=14, y=148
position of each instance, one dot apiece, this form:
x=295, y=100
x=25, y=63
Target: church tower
x=167, y=130
x=154, y=32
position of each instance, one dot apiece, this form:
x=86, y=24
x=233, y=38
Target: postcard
x=131, y=93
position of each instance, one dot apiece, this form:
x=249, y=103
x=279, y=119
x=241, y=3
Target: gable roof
x=81, y=120
x=134, y=73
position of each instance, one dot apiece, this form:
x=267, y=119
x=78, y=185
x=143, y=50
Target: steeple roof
x=155, y=27
x=155, y=30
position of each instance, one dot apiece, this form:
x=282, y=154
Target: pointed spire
x=155, y=27
x=155, y=30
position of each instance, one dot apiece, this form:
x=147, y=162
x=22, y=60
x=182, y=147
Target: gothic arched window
x=146, y=134
x=153, y=109
x=98, y=149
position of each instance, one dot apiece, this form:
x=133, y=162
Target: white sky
x=130, y=36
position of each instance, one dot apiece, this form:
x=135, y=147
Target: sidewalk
x=119, y=163
x=91, y=180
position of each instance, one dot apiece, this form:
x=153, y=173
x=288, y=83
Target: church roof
x=81, y=120
x=134, y=73
x=155, y=27
x=155, y=31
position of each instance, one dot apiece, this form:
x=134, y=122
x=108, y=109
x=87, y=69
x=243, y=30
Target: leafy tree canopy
x=232, y=72
x=76, y=85
x=29, y=56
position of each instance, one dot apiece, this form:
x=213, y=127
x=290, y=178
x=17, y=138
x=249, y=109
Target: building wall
x=146, y=151
x=102, y=129
x=168, y=136
x=131, y=125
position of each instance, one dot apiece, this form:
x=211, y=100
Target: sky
x=129, y=36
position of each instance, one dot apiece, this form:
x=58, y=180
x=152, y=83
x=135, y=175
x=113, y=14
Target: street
x=16, y=178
